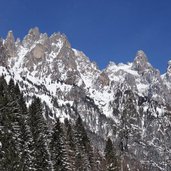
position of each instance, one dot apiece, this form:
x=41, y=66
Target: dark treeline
x=27, y=143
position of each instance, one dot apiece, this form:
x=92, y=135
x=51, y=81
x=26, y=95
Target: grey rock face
x=168, y=73
x=32, y=36
x=3, y=54
x=140, y=62
x=9, y=44
x=102, y=80
x=38, y=51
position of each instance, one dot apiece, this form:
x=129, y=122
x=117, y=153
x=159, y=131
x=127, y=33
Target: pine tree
x=39, y=132
x=58, y=150
x=10, y=131
x=84, y=150
x=24, y=137
x=3, y=92
x=26, y=161
x=112, y=162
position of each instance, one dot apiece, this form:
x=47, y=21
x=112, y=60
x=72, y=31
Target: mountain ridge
x=129, y=97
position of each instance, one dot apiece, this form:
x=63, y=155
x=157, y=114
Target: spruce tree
x=10, y=120
x=58, y=150
x=26, y=138
x=39, y=132
x=26, y=161
x=84, y=150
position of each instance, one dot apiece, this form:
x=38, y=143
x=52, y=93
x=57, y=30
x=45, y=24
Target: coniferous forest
x=28, y=142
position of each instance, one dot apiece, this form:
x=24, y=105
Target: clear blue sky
x=105, y=30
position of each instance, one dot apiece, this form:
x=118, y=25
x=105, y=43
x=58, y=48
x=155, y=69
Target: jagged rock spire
x=10, y=36
x=169, y=67
x=140, y=62
x=168, y=73
x=55, y=37
x=141, y=57
x=2, y=53
x=34, y=32
x=10, y=44
x=141, y=54
x=31, y=37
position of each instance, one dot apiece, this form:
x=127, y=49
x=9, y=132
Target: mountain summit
x=130, y=103
x=140, y=62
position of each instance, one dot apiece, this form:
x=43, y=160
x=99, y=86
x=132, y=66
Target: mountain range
x=128, y=103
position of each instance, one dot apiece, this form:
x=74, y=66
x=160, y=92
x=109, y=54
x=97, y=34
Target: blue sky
x=105, y=30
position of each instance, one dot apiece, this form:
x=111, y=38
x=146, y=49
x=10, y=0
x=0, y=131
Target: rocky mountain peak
x=10, y=36
x=141, y=62
x=58, y=37
x=169, y=67
x=34, y=32
x=66, y=42
x=10, y=44
x=167, y=76
x=32, y=36
x=141, y=55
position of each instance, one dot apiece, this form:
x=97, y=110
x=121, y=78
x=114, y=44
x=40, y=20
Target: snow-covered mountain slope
x=128, y=102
